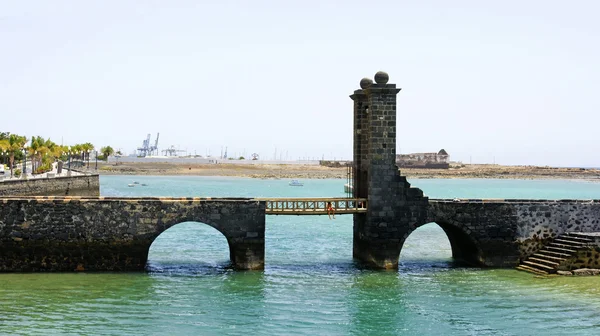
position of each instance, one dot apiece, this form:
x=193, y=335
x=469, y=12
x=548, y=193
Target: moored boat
x=296, y=183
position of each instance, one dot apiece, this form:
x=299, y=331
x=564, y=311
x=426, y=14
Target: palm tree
x=107, y=151
x=77, y=150
x=45, y=148
x=15, y=144
x=38, y=150
x=50, y=147
x=87, y=149
x=3, y=147
x=33, y=147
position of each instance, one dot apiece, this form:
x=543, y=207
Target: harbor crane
x=147, y=149
x=172, y=151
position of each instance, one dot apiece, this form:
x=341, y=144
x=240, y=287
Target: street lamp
x=24, y=163
x=96, y=160
x=3, y=158
x=87, y=153
x=33, y=163
x=68, y=161
x=10, y=163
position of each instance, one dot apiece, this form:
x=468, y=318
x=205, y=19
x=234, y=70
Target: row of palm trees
x=43, y=152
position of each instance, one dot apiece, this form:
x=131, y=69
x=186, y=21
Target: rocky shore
x=297, y=171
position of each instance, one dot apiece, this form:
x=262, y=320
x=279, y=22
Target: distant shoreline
x=300, y=171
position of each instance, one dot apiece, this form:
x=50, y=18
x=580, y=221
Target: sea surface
x=310, y=285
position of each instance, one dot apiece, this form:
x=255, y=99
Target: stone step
x=540, y=255
x=564, y=246
x=541, y=267
x=554, y=253
x=572, y=242
x=550, y=256
x=550, y=263
x=577, y=236
x=560, y=249
x=531, y=270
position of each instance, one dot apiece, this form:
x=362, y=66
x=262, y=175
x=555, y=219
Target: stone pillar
x=393, y=207
x=360, y=153
x=247, y=254
x=361, y=138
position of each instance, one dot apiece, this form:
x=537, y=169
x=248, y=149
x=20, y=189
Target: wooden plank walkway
x=314, y=206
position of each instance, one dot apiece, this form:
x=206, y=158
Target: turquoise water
x=310, y=286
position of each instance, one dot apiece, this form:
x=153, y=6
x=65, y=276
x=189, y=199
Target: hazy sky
x=514, y=81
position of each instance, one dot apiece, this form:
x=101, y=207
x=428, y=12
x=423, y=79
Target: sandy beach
x=298, y=171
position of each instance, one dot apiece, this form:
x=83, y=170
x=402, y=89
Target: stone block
x=586, y=271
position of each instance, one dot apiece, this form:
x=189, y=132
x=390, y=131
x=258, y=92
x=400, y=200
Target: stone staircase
x=546, y=260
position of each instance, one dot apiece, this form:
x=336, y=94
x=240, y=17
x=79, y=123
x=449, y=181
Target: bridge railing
x=313, y=206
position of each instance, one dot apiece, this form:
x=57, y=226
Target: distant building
x=440, y=160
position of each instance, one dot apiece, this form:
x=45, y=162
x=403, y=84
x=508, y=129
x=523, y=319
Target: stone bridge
x=115, y=234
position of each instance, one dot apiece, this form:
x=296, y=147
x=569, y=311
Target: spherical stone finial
x=366, y=83
x=381, y=77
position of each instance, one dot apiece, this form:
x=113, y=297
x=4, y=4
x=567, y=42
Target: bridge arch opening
x=189, y=247
x=439, y=244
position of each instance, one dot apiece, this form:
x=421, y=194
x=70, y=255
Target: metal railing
x=314, y=206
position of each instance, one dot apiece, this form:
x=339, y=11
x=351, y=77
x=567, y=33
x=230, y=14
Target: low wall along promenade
x=76, y=185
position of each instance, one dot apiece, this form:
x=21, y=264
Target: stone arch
x=465, y=247
x=241, y=221
x=172, y=225
x=205, y=220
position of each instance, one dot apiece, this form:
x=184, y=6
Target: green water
x=310, y=286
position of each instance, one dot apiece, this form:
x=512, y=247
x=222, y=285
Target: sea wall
x=80, y=185
x=584, y=258
x=542, y=221
x=506, y=231
x=115, y=234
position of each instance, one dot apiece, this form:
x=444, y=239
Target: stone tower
x=394, y=208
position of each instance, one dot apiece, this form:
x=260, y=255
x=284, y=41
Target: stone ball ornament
x=366, y=83
x=381, y=77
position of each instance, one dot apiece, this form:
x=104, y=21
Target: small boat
x=144, y=185
x=296, y=183
x=136, y=182
x=131, y=185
